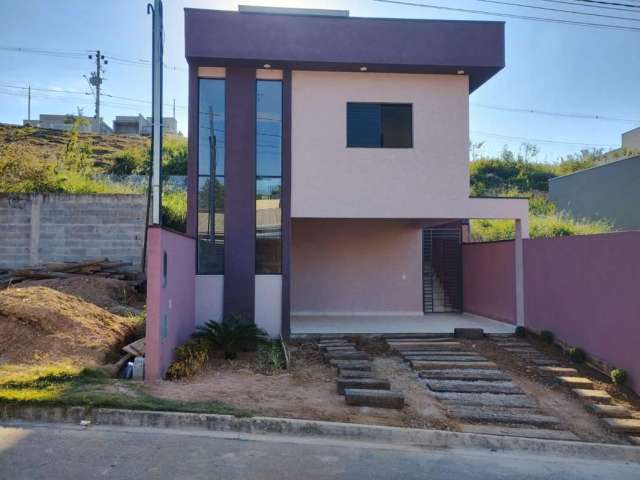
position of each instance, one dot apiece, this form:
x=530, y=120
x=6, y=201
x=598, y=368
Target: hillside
x=48, y=144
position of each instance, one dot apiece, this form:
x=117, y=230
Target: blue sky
x=550, y=67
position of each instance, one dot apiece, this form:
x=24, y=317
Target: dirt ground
x=307, y=390
x=65, y=320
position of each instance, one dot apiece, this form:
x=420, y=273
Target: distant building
x=605, y=192
x=139, y=125
x=630, y=145
x=65, y=122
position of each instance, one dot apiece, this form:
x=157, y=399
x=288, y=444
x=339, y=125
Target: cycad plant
x=231, y=335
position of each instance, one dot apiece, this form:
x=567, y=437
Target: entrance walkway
x=430, y=323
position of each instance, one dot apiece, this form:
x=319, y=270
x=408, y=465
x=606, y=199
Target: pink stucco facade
x=585, y=290
x=582, y=288
x=488, y=275
x=170, y=297
x=356, y=266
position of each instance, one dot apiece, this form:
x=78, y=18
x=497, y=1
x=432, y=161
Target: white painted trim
x=356, y=314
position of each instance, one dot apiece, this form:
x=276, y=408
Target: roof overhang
x=313, y=42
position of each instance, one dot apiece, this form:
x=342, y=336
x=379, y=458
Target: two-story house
x=328, y=173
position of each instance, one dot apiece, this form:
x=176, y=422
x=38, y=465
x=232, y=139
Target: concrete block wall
x=38, y=228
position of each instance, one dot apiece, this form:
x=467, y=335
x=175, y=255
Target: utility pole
x=29, y=105
x=96, y=81
x=156, y=138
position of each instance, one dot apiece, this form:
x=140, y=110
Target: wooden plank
x=541, y=433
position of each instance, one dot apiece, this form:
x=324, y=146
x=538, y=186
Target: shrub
x=131, y=161
x=520, y=331
x=577, y=355
x=547, y=336
x=232, y=335
x=174, y=209
x=619, y=376
x=270, y=358
x=22, y=170
x=190, y=358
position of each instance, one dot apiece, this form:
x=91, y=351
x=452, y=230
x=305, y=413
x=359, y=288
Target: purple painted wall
x=488, y=279
x=585, y=290
x=173, y=301
x=582, y=288
x=315, y=42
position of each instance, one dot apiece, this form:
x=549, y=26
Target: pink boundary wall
x=582, y=288
x=585, y=289
x=489, y=280
x=175, y=300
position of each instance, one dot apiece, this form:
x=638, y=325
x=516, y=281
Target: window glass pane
x=397, y=131
x=268, y=225
x=211, y=122
x=269, y=128
x=363, y=125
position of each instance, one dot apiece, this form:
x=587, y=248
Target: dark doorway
x=442, y=268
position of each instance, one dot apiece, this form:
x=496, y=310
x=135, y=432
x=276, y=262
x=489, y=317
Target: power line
x=564, y=2
x=611, y=3
x=540, y=140
x=558, y=114
x=559, y=10
x=512, y=15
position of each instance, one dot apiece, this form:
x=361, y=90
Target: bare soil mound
x=63, y=320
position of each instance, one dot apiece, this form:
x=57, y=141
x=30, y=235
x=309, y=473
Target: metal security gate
x=442, y=268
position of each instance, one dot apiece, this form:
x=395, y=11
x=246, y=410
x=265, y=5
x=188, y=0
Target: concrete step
x=441, y=353
x=443, y=358
x=576, y=382
x=404, y=351
x=423, y=345
x=542, y=433
x=523, y=351
x=513, y=344
x=624, y=425
x=612, y=411
x=595, y=396
x=374, y=398
x=558, y=370
x=485, y=399
x=421, y=340
x=456, y=374
x=368, y=383
x=542, y=362
x=502, y=416
x=635, y=440
x=346, y=356
x=468, y=333
x=480, y=386
x=351, y=364
x=335, y=343
x=344, y=373
x=341, y=348
x=439, y=365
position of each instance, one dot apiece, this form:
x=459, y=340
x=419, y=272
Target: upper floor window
x=379, y=125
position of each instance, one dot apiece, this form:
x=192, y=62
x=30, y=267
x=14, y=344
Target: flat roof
x=341, y=43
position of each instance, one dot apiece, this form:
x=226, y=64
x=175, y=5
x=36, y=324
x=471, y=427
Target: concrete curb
x=310, y=428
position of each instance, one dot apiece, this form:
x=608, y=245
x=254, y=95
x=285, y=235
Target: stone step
x=576, y=382
x=374, y=398
x=347, y=356
x=439, y=365
x=542, y=433
x=404, y=351
x=558, y=370
x=351, y=364
x=322, y=343
x=502, y=416
x=447, y=358
x=441, y=353
x=480, y=386
x=468, y=333
x=485, y=399
x=456, y=374
x=513, y=344
x=422, y=340
x=542, y=362
x=368, y=383
x=345, y=373
x=612, y=411
x=432, y=345
x=523, y=351
x=595, y=396
x=342, y=348
x=624, y=425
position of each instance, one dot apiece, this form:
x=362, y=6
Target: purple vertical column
x=192, y=155
x=286, y=203
x=239, y=195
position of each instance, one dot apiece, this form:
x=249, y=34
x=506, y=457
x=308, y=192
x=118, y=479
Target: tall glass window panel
x=269, y=177
x=211, y=166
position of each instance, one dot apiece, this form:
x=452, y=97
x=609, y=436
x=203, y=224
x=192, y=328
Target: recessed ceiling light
x=267, y=65
x=460, y=72
x=363, y=68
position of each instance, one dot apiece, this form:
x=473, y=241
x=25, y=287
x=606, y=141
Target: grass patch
x=64, y=384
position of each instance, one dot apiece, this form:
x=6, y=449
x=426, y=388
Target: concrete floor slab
x=393, y=323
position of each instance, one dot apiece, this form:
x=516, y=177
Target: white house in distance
x=328, y=175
